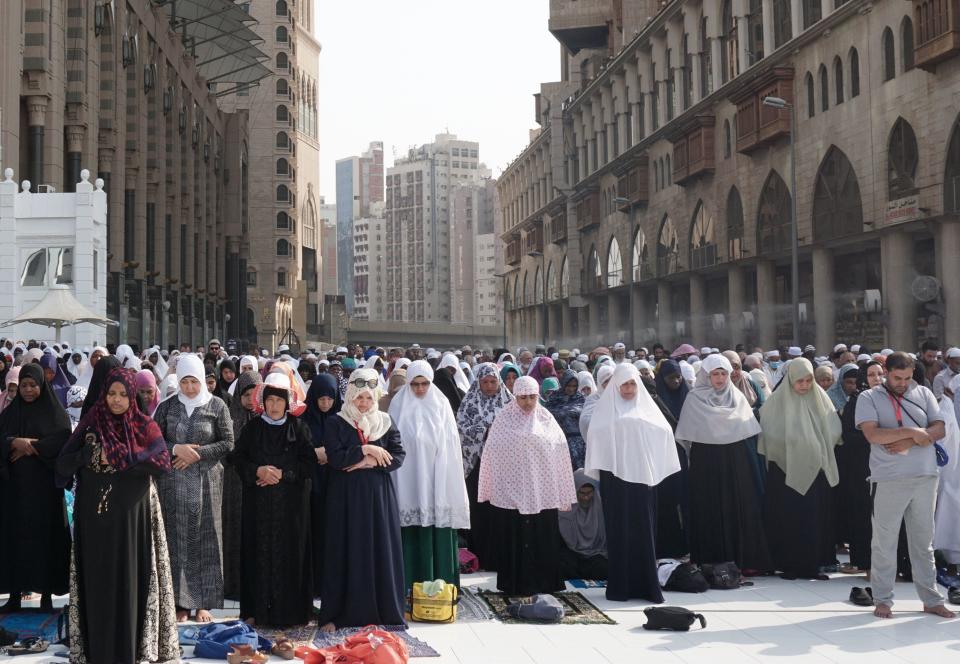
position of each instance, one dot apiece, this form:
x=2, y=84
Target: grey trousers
x=912, y=500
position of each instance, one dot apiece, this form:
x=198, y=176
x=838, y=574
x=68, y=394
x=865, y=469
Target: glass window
x=889, y=61
x=35, y=269
x=48, y=267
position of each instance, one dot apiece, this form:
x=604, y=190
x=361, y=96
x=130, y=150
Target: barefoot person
x=900, y=420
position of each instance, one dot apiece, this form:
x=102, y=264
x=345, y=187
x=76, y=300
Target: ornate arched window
x=902, y=159
x=837, y=210
x=782, y=28
x=614, y=264
x=283, y=194
x=283, y=221
x=527, y=290
x=824, y=88
x=773, y=216
x=283, y=115
x=703, y=239
x=888, y=59
x=283, y=141
x=282, y=35
x=283, y=166
x=734, y=225
x=283, y=62
x=564, y=279
x=906, y=41
x=668, y=249
x=594, y=271
x=951, y=177
x=811, y=95
x=552, y=290
x=838, y=79
x=730, y=48
x=538, y=287
x=283, y=88
x=638, y=257
x=854, y=58
x=283, y=247
x=727, y=140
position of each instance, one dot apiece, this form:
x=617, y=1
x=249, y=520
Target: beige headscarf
x=374, y=424
x=397, y=380
x=742, y=383
x=799, y=432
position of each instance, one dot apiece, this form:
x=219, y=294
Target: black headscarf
x=222, y=385
x=651, y=386
x=240, y=415
x=98, y=381
x=672, y=398
x=443, y=380
x=43, y=418
x=323, y=385
x=862, y=384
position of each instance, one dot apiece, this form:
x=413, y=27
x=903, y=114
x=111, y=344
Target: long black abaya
x=524, y=550
x=725, y=515
x=854, y=504
x=35, y=545
x=799, y=528
x=363, y=555
x=443, y=380
x=629, y=514
x=277, y=565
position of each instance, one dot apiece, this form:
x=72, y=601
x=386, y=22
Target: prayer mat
x=578, y=609
x=586, y=583
x=472, y=608
x=415, y=646
x=32, y=622
x=301, y=635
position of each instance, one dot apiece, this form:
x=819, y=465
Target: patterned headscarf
x=476, y=415
x=129, y=439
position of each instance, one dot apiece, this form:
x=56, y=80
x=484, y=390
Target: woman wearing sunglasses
x=363, y=557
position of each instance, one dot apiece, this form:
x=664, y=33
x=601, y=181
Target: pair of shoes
x=246, y=655
x=284, y=649
x=861, y=596
x=953, y=595
x=30, y=646
x=947, y=580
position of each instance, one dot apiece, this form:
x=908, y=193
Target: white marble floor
x=772, y=621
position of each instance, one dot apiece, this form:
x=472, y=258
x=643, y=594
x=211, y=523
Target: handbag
x=723, y=576
x=673, y=618
x=438, y=608
x=369, y=646
x=469, y=563
x=687, y=578
x=542, y=608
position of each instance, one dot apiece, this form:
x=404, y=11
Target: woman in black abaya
x=323, y=402
x=122, y=608
x=35, y=551
x=275, y=459
x=363, y=553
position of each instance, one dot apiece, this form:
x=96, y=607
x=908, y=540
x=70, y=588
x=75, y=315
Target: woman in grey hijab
x=583, y=554
x=715, y=425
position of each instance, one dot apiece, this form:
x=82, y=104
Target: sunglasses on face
x=360, y=382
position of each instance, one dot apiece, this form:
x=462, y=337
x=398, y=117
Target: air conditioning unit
x=46, y=189
x=872, y=301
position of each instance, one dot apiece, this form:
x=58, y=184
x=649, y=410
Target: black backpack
x=723, y=576
x=674, y=618
x=687, y=578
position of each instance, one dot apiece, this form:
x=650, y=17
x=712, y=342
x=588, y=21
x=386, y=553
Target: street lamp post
x=619, y=200
x=780, y=104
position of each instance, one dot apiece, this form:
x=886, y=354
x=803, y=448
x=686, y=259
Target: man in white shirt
x=952, y=369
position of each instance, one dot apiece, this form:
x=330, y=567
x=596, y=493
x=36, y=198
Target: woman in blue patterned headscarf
x=565, y=405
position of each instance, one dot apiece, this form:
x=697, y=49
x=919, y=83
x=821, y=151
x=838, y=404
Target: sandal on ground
x=847, y=568
x=241, y=654
x=284, y=649
x=30, y=646
x=861, y=596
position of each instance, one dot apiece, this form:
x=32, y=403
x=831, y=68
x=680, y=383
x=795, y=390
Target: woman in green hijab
x=548, y=387
x=800, y=431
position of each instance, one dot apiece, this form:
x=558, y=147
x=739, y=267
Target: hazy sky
x=402, y=71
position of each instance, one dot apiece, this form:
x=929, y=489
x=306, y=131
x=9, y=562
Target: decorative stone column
x=37, y=112
x=75, y=137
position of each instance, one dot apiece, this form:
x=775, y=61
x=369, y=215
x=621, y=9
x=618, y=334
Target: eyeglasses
x=360, y=382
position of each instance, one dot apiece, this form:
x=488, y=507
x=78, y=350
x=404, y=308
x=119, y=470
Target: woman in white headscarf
x=431, y=491
x=76, y=364
x=800, y=431
x=128, y=359
x=585, y=383
x=604, y=374
x=526, y=477
x=160, y=368
x=451, y=364
x=363, y=552
x=199, y=435
x=630, y=449
x=716, y=424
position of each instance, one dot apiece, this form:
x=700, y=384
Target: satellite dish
x=925, y=288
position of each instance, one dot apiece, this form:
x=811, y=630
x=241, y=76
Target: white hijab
x=77, y=369
x=160, y=367
x=631, y=439
x=374, y=424
x=191, y=366
x=128, y=359
x=450, y=360
x=84, y=380
x=604, y=373
x=430, y=485
x=717, y=417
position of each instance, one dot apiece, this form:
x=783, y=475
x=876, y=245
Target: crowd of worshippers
x=347, y=476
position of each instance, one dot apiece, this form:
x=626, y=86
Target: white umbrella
x=58, y=309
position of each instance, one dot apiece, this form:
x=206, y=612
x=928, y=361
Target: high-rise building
x=359, y=184
x=140, y=95
x=328, y=244
x=418, y=233
x=368, y=261
x=283, y=266
x=474, y=256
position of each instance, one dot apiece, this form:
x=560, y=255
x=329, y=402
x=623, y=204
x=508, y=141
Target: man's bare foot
x=883, y=611
x=939, y=610
x=183, y=615
x=203, y=616
x=328, y=628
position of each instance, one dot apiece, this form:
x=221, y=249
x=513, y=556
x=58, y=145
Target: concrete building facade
x=368, y=265
x=328, y=244
x=359, y=185
x=418, y=226
x=654, y=203
x=134, y=93
x=284, y=263
x=475, y=293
